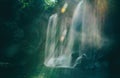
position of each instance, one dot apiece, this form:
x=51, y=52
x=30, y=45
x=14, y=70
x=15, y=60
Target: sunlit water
x=66, y=47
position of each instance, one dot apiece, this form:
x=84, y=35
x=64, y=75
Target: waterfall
x=67, y=49
x=50, y=41
x=55, y=54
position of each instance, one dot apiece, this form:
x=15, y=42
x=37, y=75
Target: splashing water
x=66, y=47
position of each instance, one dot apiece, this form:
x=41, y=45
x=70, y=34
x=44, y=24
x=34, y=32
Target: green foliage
x=25, y=3
x=50, y=3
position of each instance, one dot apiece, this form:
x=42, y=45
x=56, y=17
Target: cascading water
x=67, y=47
x=55, y=54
